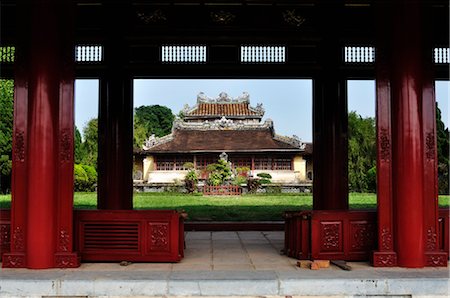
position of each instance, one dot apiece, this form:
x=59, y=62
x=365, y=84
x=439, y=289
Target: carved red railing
x=297, y=233
x=5, y=231
x=222, y=190
x=129, y=235
x=343, y=235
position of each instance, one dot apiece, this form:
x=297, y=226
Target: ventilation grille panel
x=441, y=55
x=263, y=54
x=88, y=53
x=7, y=54
x=359, y=54
x=183, y=54
x=111, y=236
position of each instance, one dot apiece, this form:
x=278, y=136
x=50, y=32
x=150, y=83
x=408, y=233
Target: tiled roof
x=223, y=109
x=222, y=140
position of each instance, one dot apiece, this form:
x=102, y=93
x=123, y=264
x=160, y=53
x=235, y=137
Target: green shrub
x=265, y=178
x=264, y=175
x=81, y=178
x=188, y=165
x=253, y=185
x=273, y=189
x=92, y=177
x=239, y=179
x=190, y=180
x=219, y=172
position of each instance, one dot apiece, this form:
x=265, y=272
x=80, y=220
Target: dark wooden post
x=42, y=186
x=330, y=118
x=115, y=159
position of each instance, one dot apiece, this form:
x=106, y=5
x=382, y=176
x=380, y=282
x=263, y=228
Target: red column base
x=62, y=260
x=436, y=259
x=384, y=259
x=67, y=260
x=14, y=260
x=389, y=259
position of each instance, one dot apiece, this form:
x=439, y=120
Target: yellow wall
x=300, y=167
x=149, y=165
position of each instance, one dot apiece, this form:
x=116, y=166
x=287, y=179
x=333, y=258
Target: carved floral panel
x=362, y=237
x=331, y=236
x=159, y=236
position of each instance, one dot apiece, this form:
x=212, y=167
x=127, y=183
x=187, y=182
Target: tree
x=6, y=128
x=148, y=120
x=90, y=144
x=443, y=144
x=361, y=153
x=78, y=144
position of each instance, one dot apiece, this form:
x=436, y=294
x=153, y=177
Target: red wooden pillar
x=385, y=256
x=433, y=256
x=330, y=122
x=42, y=186
x=115, y=156
x=413, y=212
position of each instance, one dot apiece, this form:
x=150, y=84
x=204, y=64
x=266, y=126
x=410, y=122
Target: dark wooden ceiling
x=140, y=27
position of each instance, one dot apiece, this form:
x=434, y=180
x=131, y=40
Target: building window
x=282, y=164
x=165, y=163
x=203, y=162
x=263, y=163
x=171, y=163
x=240, y=162
x=180, y=162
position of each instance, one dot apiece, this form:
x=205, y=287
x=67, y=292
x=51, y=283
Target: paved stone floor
x=225, y=264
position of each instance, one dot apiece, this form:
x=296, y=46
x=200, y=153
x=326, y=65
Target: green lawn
x=246, y=207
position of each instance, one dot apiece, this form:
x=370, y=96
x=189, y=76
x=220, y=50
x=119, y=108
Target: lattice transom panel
x=263, y=54
x=183, y=54
x=441, y=55
x=7, y=54
x=359, y=54
x=88, y=53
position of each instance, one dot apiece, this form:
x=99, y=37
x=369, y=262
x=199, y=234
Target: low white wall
x=280, y=176
x=166, y=176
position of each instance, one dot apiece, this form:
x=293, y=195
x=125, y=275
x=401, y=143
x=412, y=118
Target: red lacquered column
x=433, y=256
x=407, y=134
x=385, y=255
x=43, y=140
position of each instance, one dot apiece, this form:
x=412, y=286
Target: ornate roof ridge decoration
x=224, y=98
x=222, y=124
x=153, y=141
x=294, y=141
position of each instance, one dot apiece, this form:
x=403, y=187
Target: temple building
x=224, y=125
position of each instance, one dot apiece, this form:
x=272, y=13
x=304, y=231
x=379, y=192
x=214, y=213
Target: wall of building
x=300, y=168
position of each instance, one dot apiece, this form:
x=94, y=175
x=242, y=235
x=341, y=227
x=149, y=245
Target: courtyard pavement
x=225, y=264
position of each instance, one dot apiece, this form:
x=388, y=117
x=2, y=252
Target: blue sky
x=287, y=102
